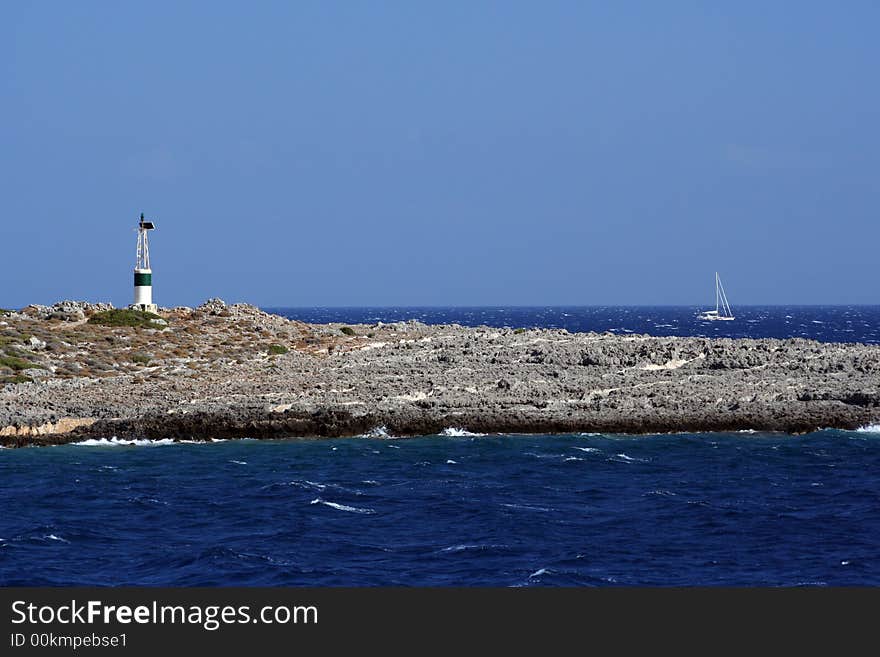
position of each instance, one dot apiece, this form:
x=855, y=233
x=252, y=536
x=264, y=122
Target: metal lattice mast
x=143, y=274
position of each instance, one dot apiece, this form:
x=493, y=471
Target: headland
x=77, y=370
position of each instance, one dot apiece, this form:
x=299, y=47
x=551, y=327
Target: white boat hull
x=722, y=307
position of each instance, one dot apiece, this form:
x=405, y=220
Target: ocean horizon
x=825, y=323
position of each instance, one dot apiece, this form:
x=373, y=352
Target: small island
x=79, y=370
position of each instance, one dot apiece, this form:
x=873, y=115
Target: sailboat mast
x=727, y=310
x=722, y=307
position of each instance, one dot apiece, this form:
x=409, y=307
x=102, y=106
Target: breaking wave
x=627, y=459
x=453, y=432
x=380, y=433
x=116, y=442
x=471, y=547
x=527, y=507
x=341, y=507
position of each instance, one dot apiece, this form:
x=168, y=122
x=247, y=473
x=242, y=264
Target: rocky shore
x=76, y=370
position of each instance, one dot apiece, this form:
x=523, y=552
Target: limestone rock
x=213, y=306
x=36, y=344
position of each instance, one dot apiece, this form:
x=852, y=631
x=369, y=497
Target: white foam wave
x=662, y=493
x=468, y=547
x=627, y=458
x=572, y=458
x=147, y=500
x=305, y=483
x=341, y=507
x=452, y=432
x=116, y=442
x=451, y=462
x=52, y=537
x=393, y=446
x=539, y=572
x=318, y=486
x=587, y=449
x=869, y=428
x=527, y=507
x=378, y=432
x=238, y=462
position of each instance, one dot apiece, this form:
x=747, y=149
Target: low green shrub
x=18, y=378
x=277, y=350
x=124, y=317
x=143, y=359
x=347, y=330
x=17, y=364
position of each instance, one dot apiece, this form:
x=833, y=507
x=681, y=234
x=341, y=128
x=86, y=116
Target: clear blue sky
x=434, y=153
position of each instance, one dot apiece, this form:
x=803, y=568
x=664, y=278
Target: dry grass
x=197, y=341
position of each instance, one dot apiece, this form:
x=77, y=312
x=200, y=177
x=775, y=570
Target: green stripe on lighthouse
x=142, y=280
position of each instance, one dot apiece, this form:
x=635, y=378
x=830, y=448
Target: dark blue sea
x=458, y=509
x=823, y=323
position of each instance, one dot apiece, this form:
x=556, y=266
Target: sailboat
x=722, y=308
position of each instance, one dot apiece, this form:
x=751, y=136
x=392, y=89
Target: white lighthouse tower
x=143, y=275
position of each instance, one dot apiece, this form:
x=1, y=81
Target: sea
x=460, y=509
x=823, y=323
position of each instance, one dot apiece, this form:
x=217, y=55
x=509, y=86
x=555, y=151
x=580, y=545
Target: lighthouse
x=143, y=275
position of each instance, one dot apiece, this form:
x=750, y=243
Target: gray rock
x=213, y=306
x=36, y=344
x=37, y=311
x=67, y=310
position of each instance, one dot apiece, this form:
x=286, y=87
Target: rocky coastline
x=75, y=370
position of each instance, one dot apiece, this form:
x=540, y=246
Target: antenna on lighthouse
x=143, y=274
